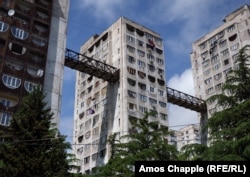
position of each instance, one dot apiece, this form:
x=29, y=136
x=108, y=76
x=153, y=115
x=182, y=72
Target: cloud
x=183, y=82
x=178, y=115
x=104, y=9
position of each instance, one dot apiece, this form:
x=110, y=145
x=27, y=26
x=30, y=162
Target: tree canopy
x=147, y=140
x=229, y=127
x=30, y=145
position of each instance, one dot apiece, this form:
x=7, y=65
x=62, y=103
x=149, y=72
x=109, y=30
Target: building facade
x=213, y=55
x=103, y=108
x=189, y=134
x=32, y=49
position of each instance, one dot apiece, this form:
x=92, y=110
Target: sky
x=179, y=22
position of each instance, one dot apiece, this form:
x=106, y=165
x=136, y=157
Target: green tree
x=146, y=141
x=229, y=129
x=31, y=147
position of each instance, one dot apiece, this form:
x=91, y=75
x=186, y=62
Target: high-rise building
x=213, y=55
x=32, y=48
x=103, y=108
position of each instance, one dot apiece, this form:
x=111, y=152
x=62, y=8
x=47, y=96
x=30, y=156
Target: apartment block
x=213, y=55
x=103, y=108
x=32, y=47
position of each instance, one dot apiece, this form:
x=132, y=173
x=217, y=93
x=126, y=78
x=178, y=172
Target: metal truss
x=111, y=74
x=91, y=66
x=186, y=101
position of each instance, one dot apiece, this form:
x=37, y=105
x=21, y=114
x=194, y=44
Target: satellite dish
x=11, y=12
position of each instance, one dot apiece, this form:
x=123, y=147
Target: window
x=206, y=72
x=131, y=106
x=94, y=156
x=6, y=103
x=218, y=86
x=19, y=33
x=131, y=82
x=226, y=61
x=17, y=49
x=86, y=160
x=215, y=59
x=208, y=81
x=204, y=55
x=227, y=70
x=150, y=57
x=216, y=67
x=131, y=94
x=161, y=92
x=202, y=46
x=95, y=120
x=205, y=63
x=143, y=98
x=130, y=59
x=142, y=86
x=152, y=101
x=141, y=64
x=105, y=46
x=5, y=119
x=210, y=90
x=160, y=72
x=230, y=28
x=225, y=52
x=235, y=56
x=3, y=27
x=223, y=43
x=217, y=76
x=41, y=42
x=141, y=53
x=130, y=39
x=96, y=131
x=143, y=109
x=11, y=82
x=141, y=74
x=163, y=116
x=151, y=89
x=234, y=47
x=131, y=70
x=130, y=49
x=151, y=68
x=159, y=61
x=162, y=104
x=140, y=43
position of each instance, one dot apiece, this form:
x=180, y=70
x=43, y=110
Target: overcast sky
x=179, y=22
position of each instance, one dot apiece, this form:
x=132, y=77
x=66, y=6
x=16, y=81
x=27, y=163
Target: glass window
x=161, y=92
x=5, y=119
x=19, y=33
x=29, y=86
x=143, y=98
x=131, y=94
x=5, y=102
x=143, y=109
x=3, y=27
x=11, y=82
x=141, y=64
x=162, y=104
x=130, y=39
x=230, y=28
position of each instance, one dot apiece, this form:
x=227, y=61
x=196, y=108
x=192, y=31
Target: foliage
x=146, y=141
x=30, y=146
x=229, y=129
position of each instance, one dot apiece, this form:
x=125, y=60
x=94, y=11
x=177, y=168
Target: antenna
x=11, y=12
